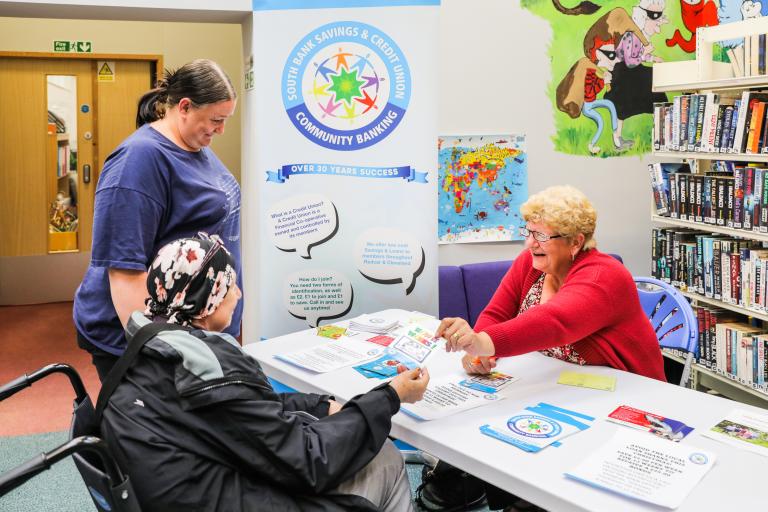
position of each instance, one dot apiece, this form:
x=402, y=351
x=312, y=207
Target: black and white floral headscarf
x=189, y=278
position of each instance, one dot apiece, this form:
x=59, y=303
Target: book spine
x=676, y=123
x=698, y=197
x=717, y=273
x=719, y=128
x=687, y=113
x=757, y=196
x=742, y=116
x=734, y=123
x=749, y=184
x=738, y=198
x=735, y=266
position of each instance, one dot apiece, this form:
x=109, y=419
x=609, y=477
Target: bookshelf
x=701, y=77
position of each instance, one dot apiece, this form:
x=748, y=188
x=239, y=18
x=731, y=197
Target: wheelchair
x=109, y=488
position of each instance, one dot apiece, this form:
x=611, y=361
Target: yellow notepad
x=588, y=380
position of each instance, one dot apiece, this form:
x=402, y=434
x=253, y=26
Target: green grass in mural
x=567, y=46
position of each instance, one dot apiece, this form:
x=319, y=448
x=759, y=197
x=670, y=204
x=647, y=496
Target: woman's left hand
x=460, y=336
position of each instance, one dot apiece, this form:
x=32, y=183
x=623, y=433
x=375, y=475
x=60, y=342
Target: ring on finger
x=455, y=336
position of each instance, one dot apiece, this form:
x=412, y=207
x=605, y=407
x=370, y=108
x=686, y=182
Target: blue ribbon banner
x=405, y=172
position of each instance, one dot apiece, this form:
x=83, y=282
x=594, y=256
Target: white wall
x=507, y=48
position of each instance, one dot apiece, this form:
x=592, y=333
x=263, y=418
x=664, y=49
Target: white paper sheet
x=744, y=429
x=644, y=467
x=447, y=396
x=333, y=355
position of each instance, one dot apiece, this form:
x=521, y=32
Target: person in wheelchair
x=197, y=426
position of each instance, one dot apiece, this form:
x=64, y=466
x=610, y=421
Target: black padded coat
x=196, y=425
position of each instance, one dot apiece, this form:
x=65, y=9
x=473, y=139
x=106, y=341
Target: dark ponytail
x=202, y=81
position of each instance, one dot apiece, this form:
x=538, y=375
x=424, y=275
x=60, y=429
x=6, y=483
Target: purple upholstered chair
x=464, y=291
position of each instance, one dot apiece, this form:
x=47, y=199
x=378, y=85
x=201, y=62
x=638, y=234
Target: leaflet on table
x=645, y=468
x=385, y=366
x=456, y=393
x=537, y=427
x=333, y=355
x=742, y=428
x=666, y=428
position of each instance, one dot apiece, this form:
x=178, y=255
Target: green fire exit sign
x=73, y=46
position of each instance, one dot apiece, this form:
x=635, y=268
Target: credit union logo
x=346, y=85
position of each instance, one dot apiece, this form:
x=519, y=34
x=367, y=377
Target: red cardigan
x=596, y=308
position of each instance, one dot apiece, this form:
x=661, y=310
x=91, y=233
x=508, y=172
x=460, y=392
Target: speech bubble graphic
x=317, y=295
x=389, y=256
x=301, y=222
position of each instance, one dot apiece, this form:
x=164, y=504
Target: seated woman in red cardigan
x=561, y=297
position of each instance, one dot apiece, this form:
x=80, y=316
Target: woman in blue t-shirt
x=162, y=183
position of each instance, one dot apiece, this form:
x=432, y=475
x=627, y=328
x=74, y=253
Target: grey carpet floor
x=60, y=488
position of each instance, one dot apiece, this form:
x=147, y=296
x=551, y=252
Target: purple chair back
x=480, y=282
x=467, y=289
x=453, y=297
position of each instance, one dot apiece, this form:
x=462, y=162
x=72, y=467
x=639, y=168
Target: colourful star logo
x=346, y=86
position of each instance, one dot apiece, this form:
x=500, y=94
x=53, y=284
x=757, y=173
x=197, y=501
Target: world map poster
x=483, y=182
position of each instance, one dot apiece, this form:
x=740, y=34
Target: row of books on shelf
x=731, y=194
x=730, y=270
x=748, y=58
x=731, y=347
x=712, y=123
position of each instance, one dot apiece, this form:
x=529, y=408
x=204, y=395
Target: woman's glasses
x=537, y=235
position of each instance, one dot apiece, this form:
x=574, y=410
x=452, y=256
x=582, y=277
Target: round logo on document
x=532, y=425
x=346, y=85
x=698, y=458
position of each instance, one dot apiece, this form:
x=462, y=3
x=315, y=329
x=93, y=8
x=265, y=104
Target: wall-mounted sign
x=248, y=80
x=106, y=70
x=73, y=46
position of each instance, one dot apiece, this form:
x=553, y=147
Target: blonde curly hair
x=566, y=210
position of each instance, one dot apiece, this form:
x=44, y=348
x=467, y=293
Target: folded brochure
x=661, y=426
x=537, y=427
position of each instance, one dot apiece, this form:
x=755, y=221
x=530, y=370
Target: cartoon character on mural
x=633, y=36
x=750, y=9
x=615, y=48
x=631, y=89
x=695, y=14
x=585, y=7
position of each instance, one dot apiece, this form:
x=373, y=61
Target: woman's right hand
x=478, y=365
x=411, y=384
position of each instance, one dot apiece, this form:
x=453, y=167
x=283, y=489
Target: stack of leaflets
x=537, y=427
x=373, y=323
x=659, y=425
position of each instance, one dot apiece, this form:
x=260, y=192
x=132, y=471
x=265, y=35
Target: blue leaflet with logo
x=560, y=423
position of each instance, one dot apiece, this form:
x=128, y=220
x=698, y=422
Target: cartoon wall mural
x=602, y=64
x=695, y=14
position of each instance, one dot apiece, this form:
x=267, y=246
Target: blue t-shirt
x=152, y=192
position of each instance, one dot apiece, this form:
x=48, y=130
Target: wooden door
x=106, y=112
